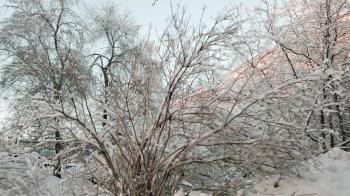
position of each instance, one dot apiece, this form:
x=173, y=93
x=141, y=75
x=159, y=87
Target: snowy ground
x=329, y=175
x=331, y=178
x=22, y=174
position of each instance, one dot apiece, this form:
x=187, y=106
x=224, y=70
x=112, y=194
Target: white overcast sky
x=145, y=13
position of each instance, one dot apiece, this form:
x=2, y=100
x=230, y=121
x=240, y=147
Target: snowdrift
x=329, y=175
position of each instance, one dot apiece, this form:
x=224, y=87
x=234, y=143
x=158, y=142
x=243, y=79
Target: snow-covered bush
x=145, y=117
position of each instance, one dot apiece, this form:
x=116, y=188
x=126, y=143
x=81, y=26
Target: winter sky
x=145, y=14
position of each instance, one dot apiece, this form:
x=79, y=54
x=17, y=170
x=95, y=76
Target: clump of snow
x=179, y=193
x=51, y=185
x=197, y=193
x=331, y=177
x=192, y=193
x=67, y=186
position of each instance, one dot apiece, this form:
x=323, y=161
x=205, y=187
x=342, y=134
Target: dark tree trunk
x=58, y=149
x=58, y=137
x=106, y=84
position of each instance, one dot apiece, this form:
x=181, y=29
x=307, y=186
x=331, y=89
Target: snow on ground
x=22, y=174
x=330, y=178
x=329, y=175
x=54, y=186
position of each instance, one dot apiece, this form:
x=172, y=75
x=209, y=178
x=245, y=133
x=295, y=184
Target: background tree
x=42, y=43
x=312, y=39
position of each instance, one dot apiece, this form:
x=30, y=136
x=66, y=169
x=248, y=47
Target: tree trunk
x=58, y=148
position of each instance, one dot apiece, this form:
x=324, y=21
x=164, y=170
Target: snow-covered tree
x=310, y=38
x=150, y=117
x=42, y=43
